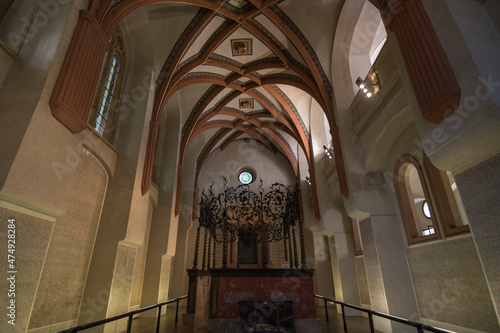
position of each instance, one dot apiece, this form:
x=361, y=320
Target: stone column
x=164, y=226
x=344, y=271
x=389, y=280
x=76, y=85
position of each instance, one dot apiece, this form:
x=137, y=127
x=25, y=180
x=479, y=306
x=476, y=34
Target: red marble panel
x=262, y=288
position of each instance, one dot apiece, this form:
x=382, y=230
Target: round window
x=245, y=177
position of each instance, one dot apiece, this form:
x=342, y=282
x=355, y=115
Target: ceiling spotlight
x=369, y=89
x=328, y=151
x=360, y=83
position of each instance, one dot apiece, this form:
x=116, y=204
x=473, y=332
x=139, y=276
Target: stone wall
x=480, y=190
x=65, y=269
x=32, y=238
x=450, y=285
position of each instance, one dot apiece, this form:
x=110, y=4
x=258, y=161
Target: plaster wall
x=38, y=179
x=368, y=34
x=239, y=155
x=317, y=18
x=14, y=34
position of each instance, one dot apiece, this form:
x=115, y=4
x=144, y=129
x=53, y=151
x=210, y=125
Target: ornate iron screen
x=238, y=214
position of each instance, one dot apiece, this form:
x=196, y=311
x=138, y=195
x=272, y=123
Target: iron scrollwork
x=237, y=213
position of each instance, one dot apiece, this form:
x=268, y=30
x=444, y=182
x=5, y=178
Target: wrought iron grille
x=239, y=214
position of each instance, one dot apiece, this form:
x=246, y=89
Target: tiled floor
x=167, y=324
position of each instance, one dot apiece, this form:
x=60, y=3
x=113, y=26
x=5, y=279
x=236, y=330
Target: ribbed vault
x=243, y=51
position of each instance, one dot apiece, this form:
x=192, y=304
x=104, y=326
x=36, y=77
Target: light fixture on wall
x=371, y=88
x=328, y=151
x=308, y=180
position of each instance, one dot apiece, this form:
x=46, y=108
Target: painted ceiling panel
x=238, y=103
x=256, y=50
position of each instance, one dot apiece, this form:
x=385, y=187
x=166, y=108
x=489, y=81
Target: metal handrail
x=419, y=326
x=129, y=315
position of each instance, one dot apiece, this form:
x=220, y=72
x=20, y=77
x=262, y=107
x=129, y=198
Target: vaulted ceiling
x=244, y=69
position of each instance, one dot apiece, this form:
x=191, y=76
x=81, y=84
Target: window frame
x=116, y=49
x=443, y=199
x=407, y=215
x=103, y=109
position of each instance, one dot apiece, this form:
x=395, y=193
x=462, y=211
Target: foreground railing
x=129, y=315
x=419, y=326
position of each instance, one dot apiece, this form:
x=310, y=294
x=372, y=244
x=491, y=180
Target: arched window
x=107, y=94
x=102, y=118
x=417, y=211
x=448, y=203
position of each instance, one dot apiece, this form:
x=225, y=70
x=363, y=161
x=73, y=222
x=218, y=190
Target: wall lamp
x=308, y=180
x=328, y=151
x=369, y=89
